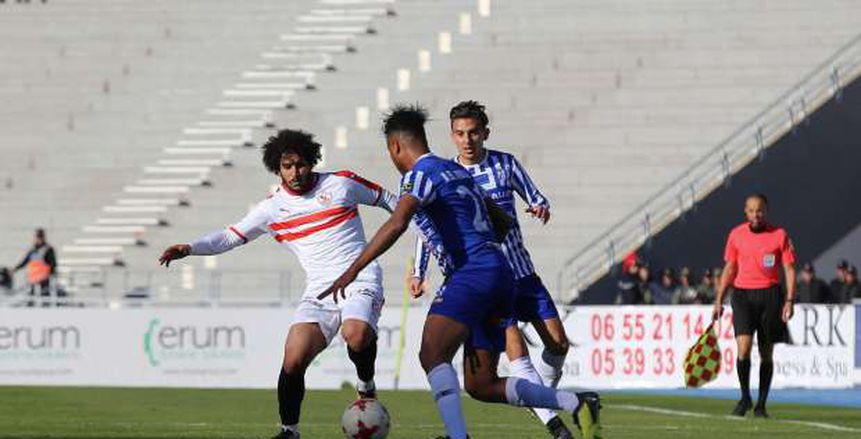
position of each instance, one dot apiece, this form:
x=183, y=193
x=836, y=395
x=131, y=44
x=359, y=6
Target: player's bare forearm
x=385, y=237
x=788, y=309
x=789, y=271
x=726, y=279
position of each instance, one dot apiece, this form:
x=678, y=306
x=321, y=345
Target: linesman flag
x=703, y=360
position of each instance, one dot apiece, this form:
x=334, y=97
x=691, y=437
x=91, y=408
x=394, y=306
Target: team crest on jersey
x=324, y=198
x=500, y=173
x=407, y=187
x=768, y=260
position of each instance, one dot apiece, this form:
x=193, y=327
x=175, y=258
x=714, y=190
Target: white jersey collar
x=480, y=162
x=427, y=154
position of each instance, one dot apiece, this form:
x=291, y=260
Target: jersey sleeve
x=418, y=185
x=388, y=201
x=248, y=229
x=787, y=251
x=524, y=186
x=367, y=192
x=730, y=253
x=420, y=258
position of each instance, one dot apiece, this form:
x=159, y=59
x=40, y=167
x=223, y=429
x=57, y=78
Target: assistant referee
x=754, y=253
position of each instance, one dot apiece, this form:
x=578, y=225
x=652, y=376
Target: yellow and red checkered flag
x=703, y=360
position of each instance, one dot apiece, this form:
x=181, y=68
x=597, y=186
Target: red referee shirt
x=758, y=256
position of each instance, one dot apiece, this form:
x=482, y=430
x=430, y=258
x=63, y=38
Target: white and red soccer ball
x=365, y=419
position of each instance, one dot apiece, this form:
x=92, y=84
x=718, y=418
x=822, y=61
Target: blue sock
x=446, y=392
x=522, y=393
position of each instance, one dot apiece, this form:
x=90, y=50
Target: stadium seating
x=602, y=101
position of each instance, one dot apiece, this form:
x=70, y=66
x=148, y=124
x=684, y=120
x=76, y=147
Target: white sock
x=550, y=368
x=364, y=386
x=522, y=393
x=445, y=389
x=522, y=368
x=291, y=428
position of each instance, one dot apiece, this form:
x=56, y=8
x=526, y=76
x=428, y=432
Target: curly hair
x=469, y=109
x=287, y=141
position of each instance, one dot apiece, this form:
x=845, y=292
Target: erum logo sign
x=177, y=342
x=39, y=342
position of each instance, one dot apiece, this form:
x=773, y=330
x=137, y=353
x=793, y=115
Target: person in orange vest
x=41, y=264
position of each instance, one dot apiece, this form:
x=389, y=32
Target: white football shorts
x=362, y=303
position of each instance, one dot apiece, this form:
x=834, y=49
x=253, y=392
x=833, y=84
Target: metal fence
x=119, y=287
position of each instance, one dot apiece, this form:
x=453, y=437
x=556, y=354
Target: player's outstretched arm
x=388, y=200
x=174, y=252
x=387, y=235
x=248, y=229
x=539, y=206
x=369, y=193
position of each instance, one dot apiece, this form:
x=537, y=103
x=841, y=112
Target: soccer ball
x=365, y=419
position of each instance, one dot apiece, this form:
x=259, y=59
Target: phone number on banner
x=616, y=344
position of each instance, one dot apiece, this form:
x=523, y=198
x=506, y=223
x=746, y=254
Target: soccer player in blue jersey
x=501, y=176
x=474, y=305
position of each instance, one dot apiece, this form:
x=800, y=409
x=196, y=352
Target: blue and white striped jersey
x=500, y=176
x=453, y=219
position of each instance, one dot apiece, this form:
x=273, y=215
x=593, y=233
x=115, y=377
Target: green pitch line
x=68, y=412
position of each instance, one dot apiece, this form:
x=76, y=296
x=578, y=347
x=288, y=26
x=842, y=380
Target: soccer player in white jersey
x=315, y=215
x=501, y=177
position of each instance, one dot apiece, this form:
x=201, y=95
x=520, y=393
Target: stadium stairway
x=603, y=102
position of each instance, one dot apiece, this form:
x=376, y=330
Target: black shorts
x=759, y=312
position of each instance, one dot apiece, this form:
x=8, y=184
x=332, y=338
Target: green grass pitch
x=69, y=412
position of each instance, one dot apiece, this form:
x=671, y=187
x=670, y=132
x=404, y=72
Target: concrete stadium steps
x=602, y=101
x=635, y=96
x=158, y=60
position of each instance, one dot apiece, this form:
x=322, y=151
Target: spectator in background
x=811, y=289
x=645, y=275
x=706, y=288
x=629, y=292
x=6, y=282
x=836, y=285
x=41, y=264
x=850, y=288
x=663, y=291
x=685, y=294
x=717, y=272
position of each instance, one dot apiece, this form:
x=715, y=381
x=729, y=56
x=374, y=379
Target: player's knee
x=293, y=366
x=429, y=359
x=357, y=336
x=744, y=347
x=557, y=345
x=426, y=361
